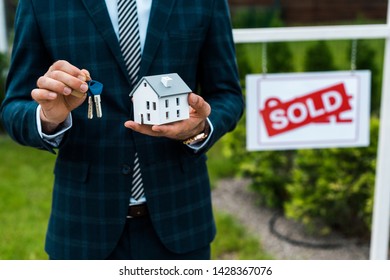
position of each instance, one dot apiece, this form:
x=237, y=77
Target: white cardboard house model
x=160, y=99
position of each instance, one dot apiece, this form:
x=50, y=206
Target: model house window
x=178, y=113
x=148, y=117
x=145, y=84
x=178, y=101
x=154, y=106
x=147, y=105
x=166, y=103
x=167, y=115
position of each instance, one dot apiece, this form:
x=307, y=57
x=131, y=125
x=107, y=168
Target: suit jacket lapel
x=159, y=17
x=97, y=10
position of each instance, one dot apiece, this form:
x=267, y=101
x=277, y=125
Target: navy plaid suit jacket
x=93, y=168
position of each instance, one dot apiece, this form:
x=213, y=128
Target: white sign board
x=308, y=110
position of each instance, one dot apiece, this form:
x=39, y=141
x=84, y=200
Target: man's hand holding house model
x=165, y=106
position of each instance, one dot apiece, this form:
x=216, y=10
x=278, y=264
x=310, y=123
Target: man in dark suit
x=58, y=46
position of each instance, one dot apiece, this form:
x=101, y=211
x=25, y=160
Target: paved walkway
x=284, y=239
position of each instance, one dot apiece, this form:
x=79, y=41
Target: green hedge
x=334, y=186
x=325, y=188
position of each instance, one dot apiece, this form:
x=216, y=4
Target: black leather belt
x=137, y=211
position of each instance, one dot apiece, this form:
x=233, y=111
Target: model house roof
x=164, y=85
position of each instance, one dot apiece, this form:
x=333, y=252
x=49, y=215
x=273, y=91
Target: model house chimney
x=166, y=81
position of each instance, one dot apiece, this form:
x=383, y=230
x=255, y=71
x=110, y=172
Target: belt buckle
x=139, y=211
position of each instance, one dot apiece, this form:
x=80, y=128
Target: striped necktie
x=130, y=45
x=129, y=39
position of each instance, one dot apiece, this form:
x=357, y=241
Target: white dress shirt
x=143, y=8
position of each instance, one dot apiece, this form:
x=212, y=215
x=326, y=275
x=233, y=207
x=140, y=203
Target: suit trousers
x=139, y=241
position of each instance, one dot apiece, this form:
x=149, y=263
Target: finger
x=65, y=66
x=168, y=129
x=201, y=107
x=178, y=130
x=87, y=78
x=53, y=85
x=77, y=94
x=65, y=72
x=42, y=95
x=87, y=74
x=144, y=129
x=68, y=81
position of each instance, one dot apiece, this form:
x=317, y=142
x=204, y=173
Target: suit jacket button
x=126, y=170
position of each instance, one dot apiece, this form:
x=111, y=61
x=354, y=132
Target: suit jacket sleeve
x=29, y=61
x=218, y=74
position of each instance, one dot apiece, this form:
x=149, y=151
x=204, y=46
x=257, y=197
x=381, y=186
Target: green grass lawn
x=233, y=242
x=25, y=191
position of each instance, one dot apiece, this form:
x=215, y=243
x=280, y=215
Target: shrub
x=319, y=58
x=270, y=172
x=280, y=58
x=334, y=186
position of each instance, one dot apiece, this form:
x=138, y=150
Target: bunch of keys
x=94, y=90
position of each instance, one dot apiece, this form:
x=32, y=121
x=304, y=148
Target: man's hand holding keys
x=62, y=89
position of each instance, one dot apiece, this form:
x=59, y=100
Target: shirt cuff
x=56, y=138
x=198, y=146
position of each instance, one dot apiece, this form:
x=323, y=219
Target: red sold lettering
x=280, y=117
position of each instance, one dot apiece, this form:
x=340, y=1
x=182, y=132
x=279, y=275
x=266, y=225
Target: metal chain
x=264, y=59
x=353, y=54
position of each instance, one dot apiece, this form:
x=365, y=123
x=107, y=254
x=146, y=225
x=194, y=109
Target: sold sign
x=280, y=117
x=308, y=110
